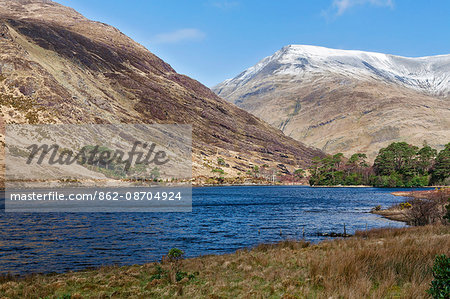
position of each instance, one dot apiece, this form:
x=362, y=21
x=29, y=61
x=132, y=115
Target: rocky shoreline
x=399, y=213
x=393, y=213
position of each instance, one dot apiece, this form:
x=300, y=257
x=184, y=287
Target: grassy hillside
x=59, y=67
x=382, y=263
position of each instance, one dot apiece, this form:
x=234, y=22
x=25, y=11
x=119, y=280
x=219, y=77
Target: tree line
x=398, y=165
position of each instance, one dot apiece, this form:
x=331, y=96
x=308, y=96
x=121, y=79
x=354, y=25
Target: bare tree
x=428, y=210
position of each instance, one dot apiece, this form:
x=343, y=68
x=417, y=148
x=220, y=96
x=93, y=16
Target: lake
x=223, y=220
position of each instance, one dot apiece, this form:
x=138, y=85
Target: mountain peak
x=347, y=101
x=430, y=75
x=324, y=51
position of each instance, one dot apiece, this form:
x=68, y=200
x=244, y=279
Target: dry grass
x=393, y=213
x=442, y=192
x=423, y=207
x=382, y=263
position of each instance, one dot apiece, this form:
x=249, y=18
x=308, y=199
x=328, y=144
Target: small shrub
x=219, y=170
x=175, y=257
x=32, y=117
x=159, y=273
x=440, y=286
x=180, y=275
x=299, y=173
x=405, y=205
x=221, y=161
x=447, y=214
x=175, y=254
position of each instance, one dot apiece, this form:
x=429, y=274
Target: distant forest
x=398, y=165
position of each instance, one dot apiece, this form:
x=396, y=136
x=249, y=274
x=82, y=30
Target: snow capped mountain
x=427, y=74
x=347, y=101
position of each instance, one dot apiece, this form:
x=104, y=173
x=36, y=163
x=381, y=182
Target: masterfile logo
x=98, y=168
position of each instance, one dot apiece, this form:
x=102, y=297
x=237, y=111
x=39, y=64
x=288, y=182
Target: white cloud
x=181, y=35
x=339, y=7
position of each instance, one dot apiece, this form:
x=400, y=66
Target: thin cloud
x=339, y=7
x=224, y=5
x=181, y=35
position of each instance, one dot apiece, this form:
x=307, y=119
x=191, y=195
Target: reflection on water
x=223, y=219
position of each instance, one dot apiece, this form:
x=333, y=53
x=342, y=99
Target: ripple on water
x=223, y=220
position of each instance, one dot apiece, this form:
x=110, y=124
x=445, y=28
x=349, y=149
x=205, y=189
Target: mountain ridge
x=68, y=69
x=311, y=55
x=347, y=101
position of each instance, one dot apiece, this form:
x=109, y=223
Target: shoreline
x=396, y=193
x=266, y=270
x=307, y=185
x=396, y=213
x=358, y=234
x=319, y=186
x=392, y=214
x=424, y=194
x=246, y=184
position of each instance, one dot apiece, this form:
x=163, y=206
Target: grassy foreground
x=381, y=263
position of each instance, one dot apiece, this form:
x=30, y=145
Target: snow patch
x=429, y=74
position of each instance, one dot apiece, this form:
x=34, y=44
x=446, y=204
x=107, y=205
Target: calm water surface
x=223, y=220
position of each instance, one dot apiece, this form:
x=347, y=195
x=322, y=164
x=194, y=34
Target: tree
x=314, y=170
x=337, y=159
x=327, y=171
x=425, y=159
x=397, y=157
x=441, y=169
x=384, y=163
x=403, y=165
x=358, y=160
x=357, y=171
x=299, y=173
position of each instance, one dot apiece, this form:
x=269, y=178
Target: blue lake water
x=223, y=220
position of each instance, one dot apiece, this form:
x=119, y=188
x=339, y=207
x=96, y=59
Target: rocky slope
x=56, y=66
x=347, y=101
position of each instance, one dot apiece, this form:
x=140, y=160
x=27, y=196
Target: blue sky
x=212, y=40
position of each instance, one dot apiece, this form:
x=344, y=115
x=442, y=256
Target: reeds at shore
x=380, y=263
